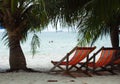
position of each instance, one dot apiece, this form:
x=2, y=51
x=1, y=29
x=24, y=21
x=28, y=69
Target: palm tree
x=103, y=18
x=19, y=17
x=94, y=18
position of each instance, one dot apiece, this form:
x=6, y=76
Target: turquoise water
x=50, y=42
x=53, y=43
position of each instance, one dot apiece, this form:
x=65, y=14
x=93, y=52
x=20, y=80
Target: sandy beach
x=44, y=78
x=45, y=65
x=41, y=62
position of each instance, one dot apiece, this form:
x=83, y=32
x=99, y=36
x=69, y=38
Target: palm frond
x=5, y=38
x=35, y=43
x=101, y=15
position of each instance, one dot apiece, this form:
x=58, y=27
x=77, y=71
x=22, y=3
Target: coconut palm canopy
x=103, y=18
x=25, y=14
x=19, y=17
x=94, y=18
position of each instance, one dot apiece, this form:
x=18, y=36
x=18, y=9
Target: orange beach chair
x=80, y=54
x=101, y=64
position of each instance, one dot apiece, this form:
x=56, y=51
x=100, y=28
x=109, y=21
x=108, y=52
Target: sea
x=53, y=46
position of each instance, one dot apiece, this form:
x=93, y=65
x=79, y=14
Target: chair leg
x=107, y=69
x=60, y=68
x=65, y=71
x=113, y=73
x=70, y=67
x=85, y=72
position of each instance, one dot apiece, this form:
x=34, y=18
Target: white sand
x=42, y=78
x=38, y=63
x=42, y=63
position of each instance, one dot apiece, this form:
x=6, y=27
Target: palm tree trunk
x=114, y=35
x=17, y=59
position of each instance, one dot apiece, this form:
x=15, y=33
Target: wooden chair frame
x=67, y=69
x=103, y=68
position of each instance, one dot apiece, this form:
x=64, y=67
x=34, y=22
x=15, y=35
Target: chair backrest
x=106, y=57
x=80, y=54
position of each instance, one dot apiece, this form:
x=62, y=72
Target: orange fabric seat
x=80, y=53
x=104, y=59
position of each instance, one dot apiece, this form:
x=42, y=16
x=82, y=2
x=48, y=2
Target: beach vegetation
x=93, y=19
x=101, y=19
x=20, y=17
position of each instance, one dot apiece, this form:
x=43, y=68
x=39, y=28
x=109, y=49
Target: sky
x=52, y=28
